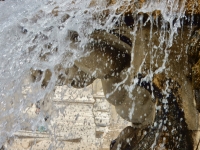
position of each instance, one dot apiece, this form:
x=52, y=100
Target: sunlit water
x=30, y=29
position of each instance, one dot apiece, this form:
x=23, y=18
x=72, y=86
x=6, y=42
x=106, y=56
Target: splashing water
x=36, y=35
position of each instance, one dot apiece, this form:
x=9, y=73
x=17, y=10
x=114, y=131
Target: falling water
x=36, y=35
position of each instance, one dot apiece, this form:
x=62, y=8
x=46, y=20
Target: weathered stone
x=151, y=76
x=196, y=75
x=170, y=82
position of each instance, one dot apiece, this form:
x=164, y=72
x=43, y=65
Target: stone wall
x=80, y=119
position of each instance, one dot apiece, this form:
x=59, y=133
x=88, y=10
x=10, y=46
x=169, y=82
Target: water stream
x=35, y=35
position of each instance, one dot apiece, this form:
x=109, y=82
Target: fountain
x=146, y=54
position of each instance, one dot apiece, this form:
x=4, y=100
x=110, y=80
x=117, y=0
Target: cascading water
x=39, y=35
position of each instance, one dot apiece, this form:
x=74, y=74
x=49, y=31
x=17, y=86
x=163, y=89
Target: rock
x=150, y=75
